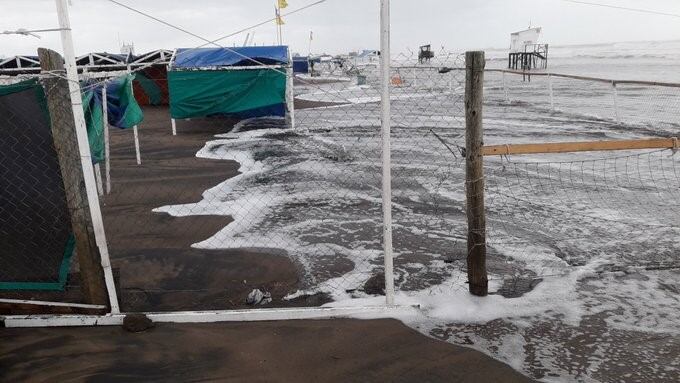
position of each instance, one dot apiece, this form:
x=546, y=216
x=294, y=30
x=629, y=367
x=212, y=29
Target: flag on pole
x=283, y=4
x=279, y=20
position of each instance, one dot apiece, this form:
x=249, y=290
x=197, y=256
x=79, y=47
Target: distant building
x=526, y=52
x=520, y=40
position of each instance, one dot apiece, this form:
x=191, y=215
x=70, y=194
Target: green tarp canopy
x=243, y=93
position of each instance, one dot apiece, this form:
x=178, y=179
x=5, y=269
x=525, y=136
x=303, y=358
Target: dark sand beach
x=158, y=270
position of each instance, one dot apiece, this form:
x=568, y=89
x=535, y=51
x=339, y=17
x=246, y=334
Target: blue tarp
x=222, y=57
x=300, y=64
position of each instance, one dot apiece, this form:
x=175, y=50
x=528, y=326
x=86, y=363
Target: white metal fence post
x=550, y=87
x=107, y=148
x=134, y=128
x=290, y=95
x=505, y=88
x=386, y=155
x=84, y=149
x=616, y=102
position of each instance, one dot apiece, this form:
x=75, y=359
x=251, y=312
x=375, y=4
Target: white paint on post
x=174, y=126
x=290, y=95
x=84, y=150
x=137, y=153
x=134, y=128
x=615, y=93
x=107, y=149
x=550, y=87
x=386, y=155
x=98, y=176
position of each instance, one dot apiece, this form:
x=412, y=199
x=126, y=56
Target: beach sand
x=158, y=270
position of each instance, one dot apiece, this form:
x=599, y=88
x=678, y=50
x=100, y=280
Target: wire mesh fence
x=549, y=214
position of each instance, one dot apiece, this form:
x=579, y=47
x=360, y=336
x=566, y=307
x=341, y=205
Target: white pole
x=505, y=89
x=84, y=151
x=415, y=78
x=98, y=176
x=550, y=86
x=174, y=126
x=134, y=128
x=386, y=155
x=290, y=96
x=107, y=148
x=137, y=153
x=616, y=102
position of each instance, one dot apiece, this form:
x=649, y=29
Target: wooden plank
x=474, y=174
x=580, y=146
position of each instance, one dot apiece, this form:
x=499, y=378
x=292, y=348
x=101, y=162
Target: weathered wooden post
x=474, y=173
x=66, y=145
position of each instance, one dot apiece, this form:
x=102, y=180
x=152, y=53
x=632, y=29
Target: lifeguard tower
x=525, y=51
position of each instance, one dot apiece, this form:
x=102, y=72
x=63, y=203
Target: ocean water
x=583, y=256
x=649, y=61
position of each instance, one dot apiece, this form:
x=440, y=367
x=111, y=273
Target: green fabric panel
x=205, y=93
x=18, y=87
x=94, y=116
x=152, y=90
x=132, y=114
x=48, y=286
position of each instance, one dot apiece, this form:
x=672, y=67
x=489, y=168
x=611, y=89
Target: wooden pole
x=580, y=146
x=474, y=173
x=66, y=144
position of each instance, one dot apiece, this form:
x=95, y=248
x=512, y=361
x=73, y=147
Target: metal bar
x=586, y=78
x=373, y=312
x=52, y=304
x=386, y=154
x=107, y=148
x=582, y=146
x=84, y=149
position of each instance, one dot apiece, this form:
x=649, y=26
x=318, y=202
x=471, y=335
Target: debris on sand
x=375, y=285
x=137, y=323
x=257, y=297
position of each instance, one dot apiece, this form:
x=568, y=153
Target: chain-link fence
x=550, y=213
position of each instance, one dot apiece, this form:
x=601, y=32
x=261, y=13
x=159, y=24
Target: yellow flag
x=279, y=20
x=283, y=4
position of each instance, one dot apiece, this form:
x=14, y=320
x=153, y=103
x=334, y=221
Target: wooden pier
x=534, y=57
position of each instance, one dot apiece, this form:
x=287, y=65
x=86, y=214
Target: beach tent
x=123, y=112
x=301, y=64
x=151, y=82
x=240, y=82
x=36, y=241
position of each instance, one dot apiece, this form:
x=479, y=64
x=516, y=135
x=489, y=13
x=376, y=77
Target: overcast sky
x=338, y=25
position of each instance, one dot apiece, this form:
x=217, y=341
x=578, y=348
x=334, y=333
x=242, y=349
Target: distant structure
x=526, y=53
x=127, y=49
x=425, y=54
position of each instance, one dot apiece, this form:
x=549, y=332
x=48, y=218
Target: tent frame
x=290, y=108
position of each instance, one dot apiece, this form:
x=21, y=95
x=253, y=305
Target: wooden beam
x=474, y=174
x=582, y=146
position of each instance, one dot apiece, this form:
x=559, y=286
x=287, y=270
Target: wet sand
x=159, y=270
x=293, y=351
